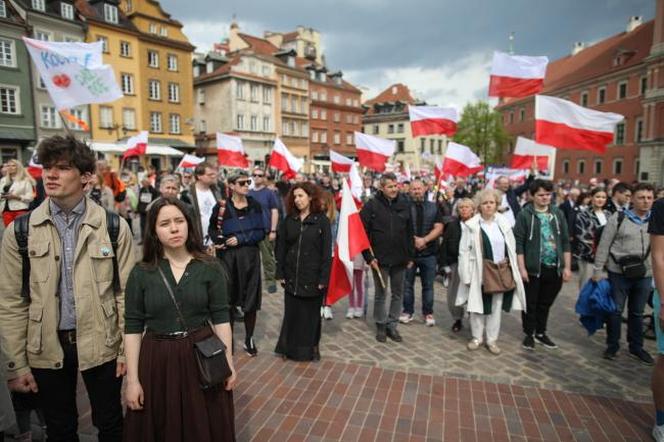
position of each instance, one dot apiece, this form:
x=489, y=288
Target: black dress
x=303, y=261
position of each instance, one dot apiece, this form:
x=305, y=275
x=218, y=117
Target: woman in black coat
x=303, y=269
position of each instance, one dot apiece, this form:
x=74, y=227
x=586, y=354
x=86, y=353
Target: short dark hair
x=67, y=148
x=540, y=184
x=316, y=205
x=200, y=168
x=596, y=190
x=640, y=187
x=236, y=176
x=621, y=187
x=387, y=176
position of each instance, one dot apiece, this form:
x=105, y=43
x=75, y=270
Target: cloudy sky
x=441, y=49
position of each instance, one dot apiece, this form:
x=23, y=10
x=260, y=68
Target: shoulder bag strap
x=175, y=303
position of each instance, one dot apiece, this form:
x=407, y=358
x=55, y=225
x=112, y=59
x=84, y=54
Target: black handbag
x=209, y=353
x=632, y=266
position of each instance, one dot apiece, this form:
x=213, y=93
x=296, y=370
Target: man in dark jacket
x=512, y=194
x=388, y=224
x=146, y=194
x=545, y=259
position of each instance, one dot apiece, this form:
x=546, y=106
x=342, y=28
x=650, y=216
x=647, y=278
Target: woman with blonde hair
x=17, y=188
x=100, y=193
x=487, y=236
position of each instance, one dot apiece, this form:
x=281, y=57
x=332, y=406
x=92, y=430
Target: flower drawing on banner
x=91, y=81
x=61, y=80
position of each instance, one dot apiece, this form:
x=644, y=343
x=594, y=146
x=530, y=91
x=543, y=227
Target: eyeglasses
x=243, y=182
x=258, y=175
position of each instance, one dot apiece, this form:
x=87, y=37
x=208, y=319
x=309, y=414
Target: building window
x=376, y=129
x=78, y=113
x=203, y=126
x=522, y=114
x=314, y=136
x=153, y=59
x=440, y=147
x=511, y=120
x=336, y=99
x=617, y=166
x=49, y=117
x=152, y=28
x=423, y=142
x=565, y=167
x=39, y=5
x=44, y=35
x=284, y=102
x=3, y=9
x=67, y=11
x=314, y=95
x=337, y=137
x=125, y=49
x=323, y=114
x=337, y=117
x=163, y=31
x=644, y=85
x=129, y=119
x=253, y=123
x=601, y=95
x=266, y=124
x=110, y=13
x=581, y=167
x=314, y=114
x=323, y=137
x=349, y=138
x=390, y=129
x=323, y=96
x=105, y=117
x=240, y=121
x=127, y=84
x=349, y=102
x=431, y=146
x=305, y=129
x=303, y=105
x=7, y=57
x=293, y=128
x=400, y=146
x=173, y=92
x=130, y=6
x=174, y=120
x=154, y=90
x=356, y=119
x=620, y=134
x=239, y=90
x=201, y=96
x=285, y=129
x=155, y=122
x=267, y=95
x=622, y=90
x=294, y=104
x=172, y=62
x=104, y=43
x=638, y=136
x=349, y=118
x=253, y=93
x=584, y=99
x=400, y=128
x=598, y=167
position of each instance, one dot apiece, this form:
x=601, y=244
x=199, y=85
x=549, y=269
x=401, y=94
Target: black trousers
x=540, y=293
x=57, y=396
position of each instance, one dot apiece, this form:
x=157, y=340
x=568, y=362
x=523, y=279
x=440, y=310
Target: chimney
x=634, y=22
x=578, y=47
x=394, y=90
x=658, y=33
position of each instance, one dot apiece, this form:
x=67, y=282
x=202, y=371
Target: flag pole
x=66, y=127
x=380, y=275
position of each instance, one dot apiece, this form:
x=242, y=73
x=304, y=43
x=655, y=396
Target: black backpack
x=21, y=232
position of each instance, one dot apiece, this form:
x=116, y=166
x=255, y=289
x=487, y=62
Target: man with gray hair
x=388, y=223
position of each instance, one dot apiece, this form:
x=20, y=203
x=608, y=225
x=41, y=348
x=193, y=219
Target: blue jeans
x=427, y=266
x=635, y=293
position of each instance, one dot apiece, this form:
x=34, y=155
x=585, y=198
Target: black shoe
x=610, y=355
x=316, y=356
x=528, y=343
x=642, y=356
x=381, y=333
x=545, y=341
x=394, y=335
x=250, y=347
x=457, y=326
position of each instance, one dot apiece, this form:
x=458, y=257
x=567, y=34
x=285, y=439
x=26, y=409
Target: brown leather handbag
x=496, y=277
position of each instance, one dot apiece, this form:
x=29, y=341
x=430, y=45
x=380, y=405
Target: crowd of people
x=74, y=299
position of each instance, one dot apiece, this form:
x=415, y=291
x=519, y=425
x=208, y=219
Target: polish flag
x=433, y=120
x=516, y=75
x=438, y=169
x=34, y=169
x=189, y=161
x=230, y=151
x=460, y=160
x=351, y=240
x=373, y=152
x=356, y=184
x=566, y=125
x=527, y=151
x=281, y=159
x=340, y=163
x=136, y=145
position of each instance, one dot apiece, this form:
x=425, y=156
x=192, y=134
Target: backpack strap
x=21, y=231
x=113, y=226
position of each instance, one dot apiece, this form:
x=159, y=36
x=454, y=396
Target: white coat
x=23, y=189
x=470, y=265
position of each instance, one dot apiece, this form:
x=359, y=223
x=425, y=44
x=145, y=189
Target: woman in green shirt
x=163, y=395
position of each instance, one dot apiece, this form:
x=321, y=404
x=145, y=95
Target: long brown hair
x=153, y=250
x=315, y=206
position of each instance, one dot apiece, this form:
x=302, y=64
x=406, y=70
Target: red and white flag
x=136, y=145
x=188, y=161
x=356, y=184
x=460, y=160
x=281, y=159
x=516, y=75
x=438, y=169
x=230, y=151
x=340, y=163
x=351, y=240
x=527, y=151
x=34, y=169
x=373, y=152
x=433, y=120
x=566, y=125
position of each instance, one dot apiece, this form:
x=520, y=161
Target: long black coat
x=304, y=254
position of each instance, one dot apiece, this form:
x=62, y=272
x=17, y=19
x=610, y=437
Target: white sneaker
x=327, y=312
x=430, y=322
x=474, y=344
x=658, y=433
x=405, y=318
x=350, y=314
x=359, y=312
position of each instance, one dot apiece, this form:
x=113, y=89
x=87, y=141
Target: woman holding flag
x=303, y=251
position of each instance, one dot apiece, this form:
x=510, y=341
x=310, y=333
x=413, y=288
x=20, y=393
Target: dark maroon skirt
x=175, y=408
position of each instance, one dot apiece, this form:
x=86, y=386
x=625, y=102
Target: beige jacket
x=28, y=333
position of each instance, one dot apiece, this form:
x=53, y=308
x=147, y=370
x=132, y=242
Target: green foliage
x=481, y=129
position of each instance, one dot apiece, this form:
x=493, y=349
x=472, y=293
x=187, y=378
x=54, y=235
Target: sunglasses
x=243, y=182
x=258, y=175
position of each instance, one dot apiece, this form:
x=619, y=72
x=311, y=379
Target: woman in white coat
x=491, y=233
x=17, y=192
